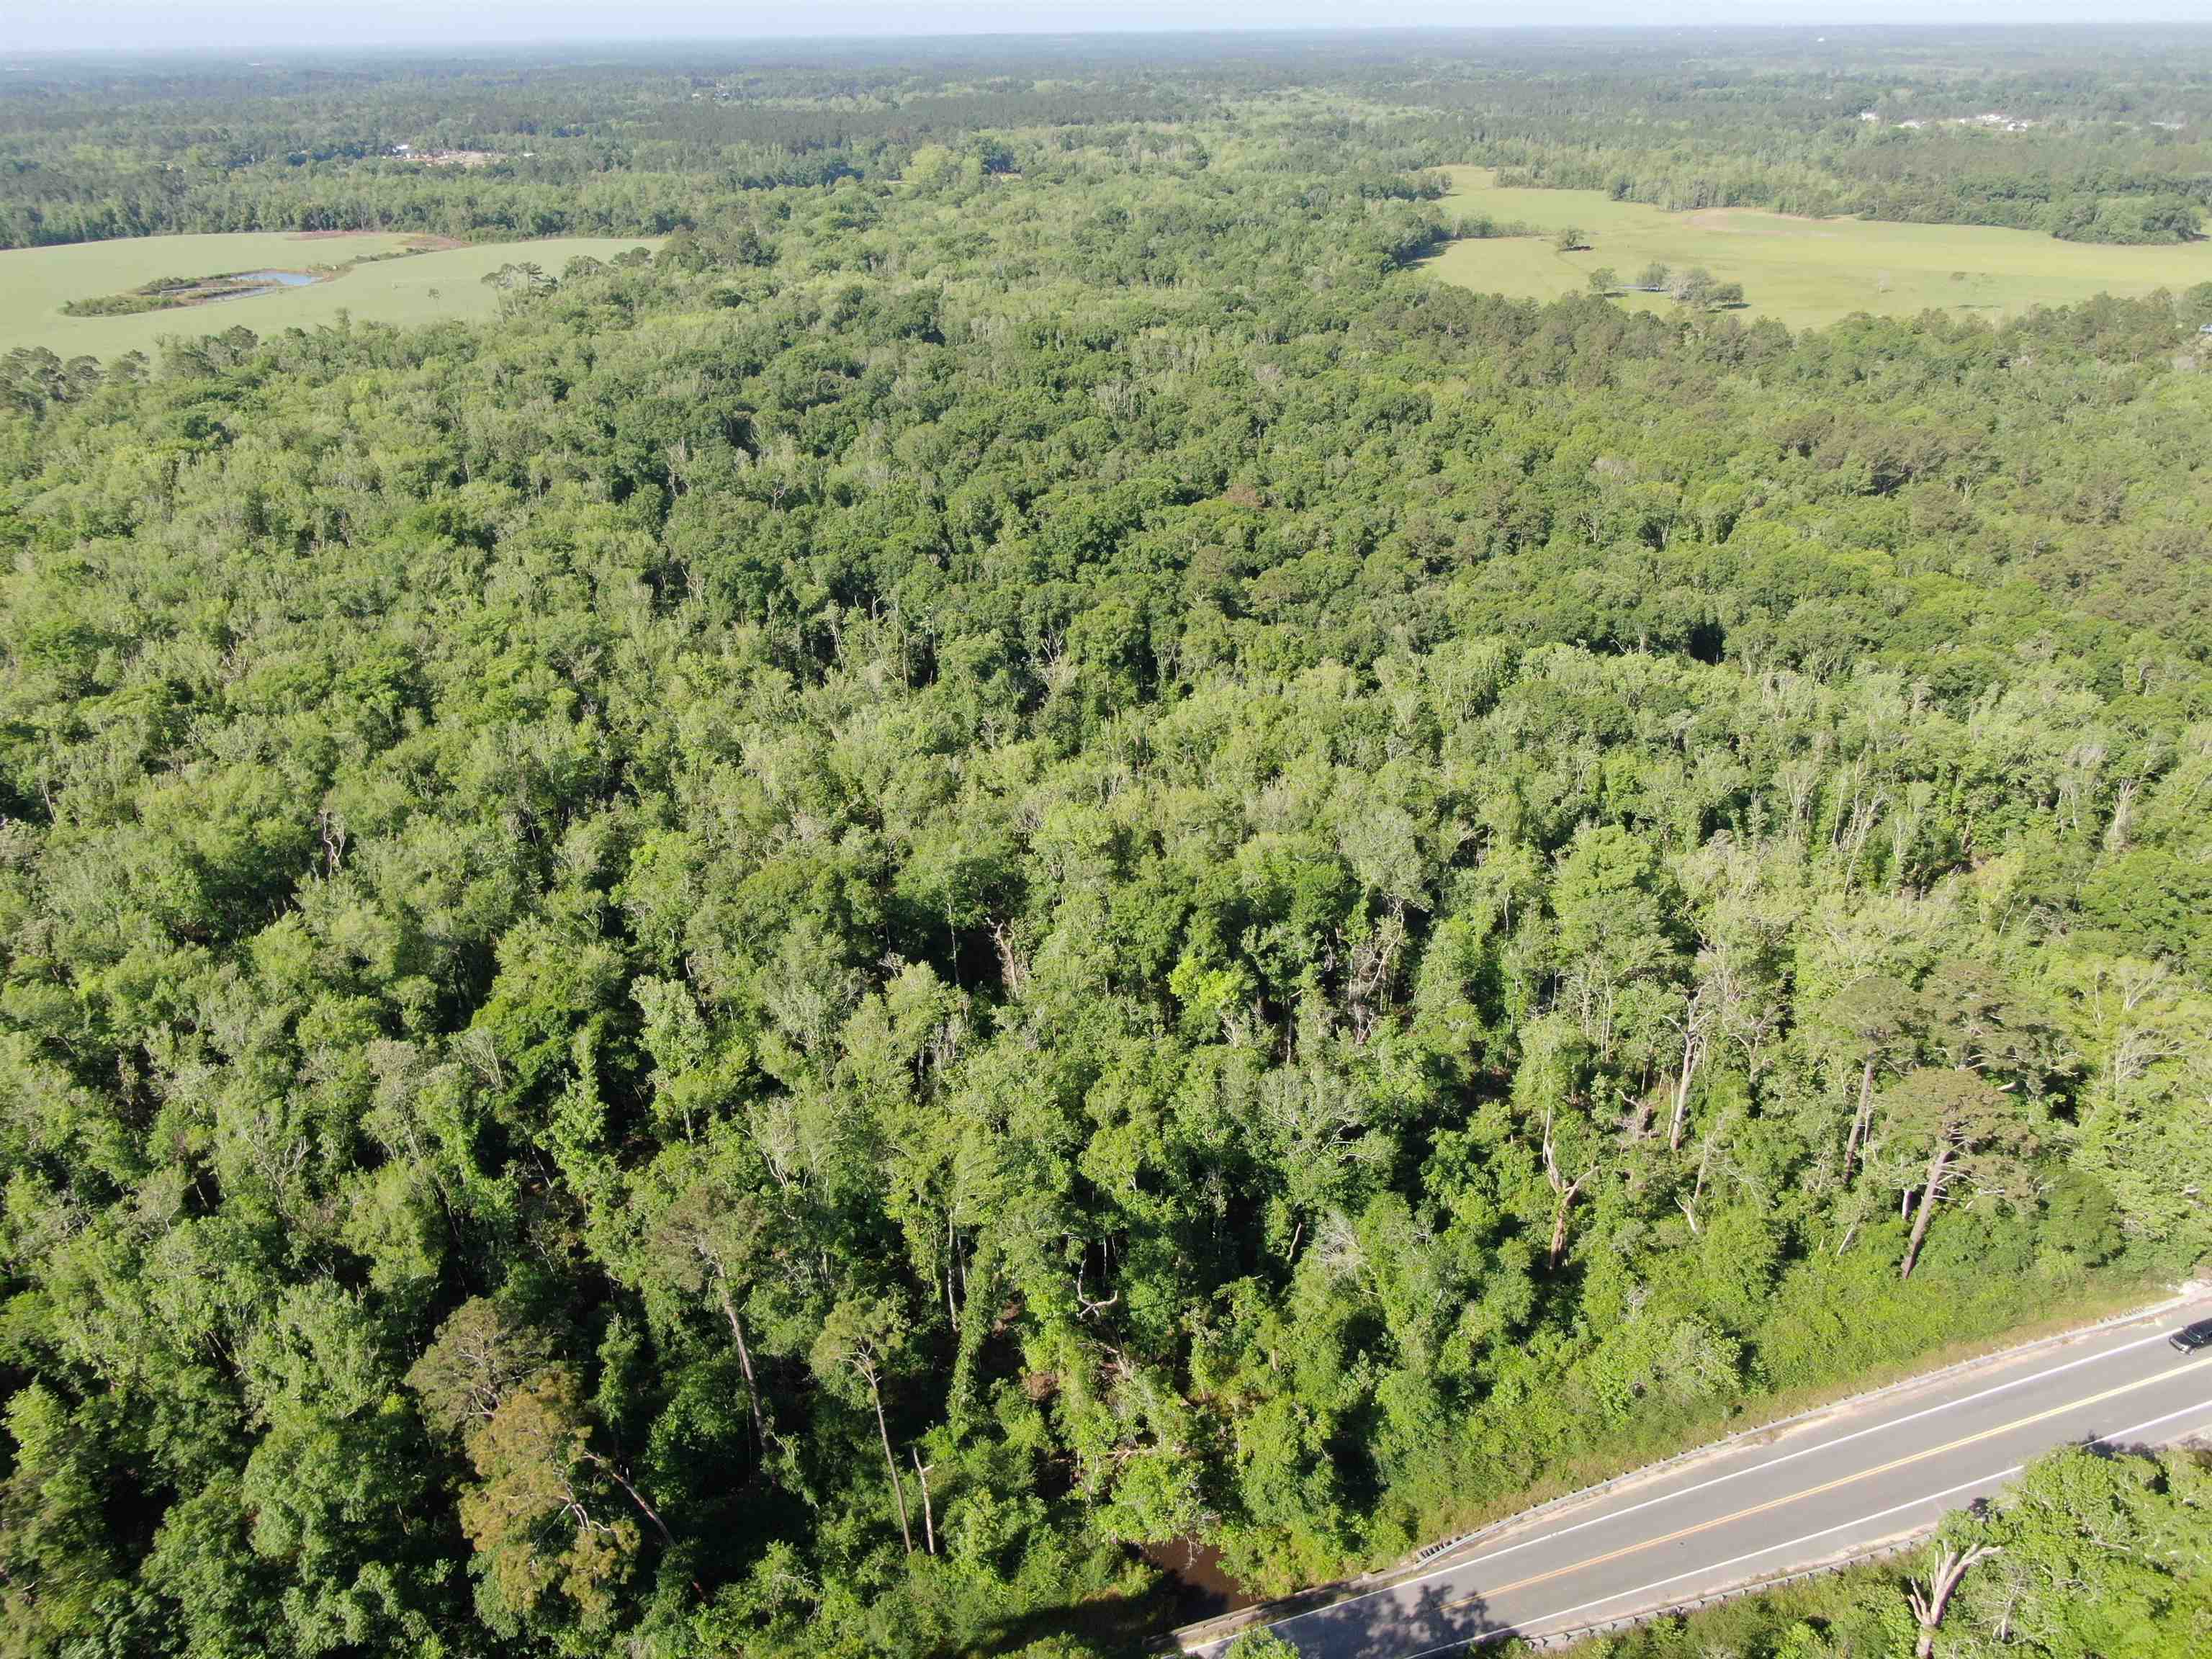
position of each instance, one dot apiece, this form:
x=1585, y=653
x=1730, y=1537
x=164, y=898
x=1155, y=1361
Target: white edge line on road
x=1808, y=1451
x=1215, y=1647
x=1879, y=1515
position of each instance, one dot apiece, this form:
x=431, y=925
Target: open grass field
x=35, y=282
x=1802, y=271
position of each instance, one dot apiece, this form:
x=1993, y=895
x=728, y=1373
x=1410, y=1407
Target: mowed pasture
x=36, y=282
x=1802, y=271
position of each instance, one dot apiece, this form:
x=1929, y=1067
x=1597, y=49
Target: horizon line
x=1150, y=30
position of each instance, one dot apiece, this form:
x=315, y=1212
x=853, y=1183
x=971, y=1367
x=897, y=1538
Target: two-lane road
x=1844, y=1481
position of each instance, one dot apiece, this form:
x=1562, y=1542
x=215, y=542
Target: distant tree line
x=642, y=142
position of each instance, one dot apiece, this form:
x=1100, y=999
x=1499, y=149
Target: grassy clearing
x=1802, y=271
x=35, y=283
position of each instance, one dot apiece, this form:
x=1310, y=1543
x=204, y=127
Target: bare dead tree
x=1928, y=1604
x=1085, y=1305
x=1862, y=1118
x=928, y=1516
x=1013, y=961
x=1564, y=1190
x=1697, y=1027
x=1372, y=967
x=1689, y=1206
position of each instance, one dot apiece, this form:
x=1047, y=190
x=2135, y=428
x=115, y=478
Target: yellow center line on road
x=1815, y=1491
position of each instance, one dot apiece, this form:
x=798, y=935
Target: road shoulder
x=1442, y=1556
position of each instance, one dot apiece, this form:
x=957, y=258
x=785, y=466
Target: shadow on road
x=1390, y=1624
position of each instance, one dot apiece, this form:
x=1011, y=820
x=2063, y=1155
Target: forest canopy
x=2089, y=135
x=1028, y=857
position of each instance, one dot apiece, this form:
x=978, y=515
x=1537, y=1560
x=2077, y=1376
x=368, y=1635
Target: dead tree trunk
x=1693, y=1050
x=1862, y=1118
x=744, y=1359
x=1564, y=1190
x=1689, y=1206
x=606, y=1466
x=1928, y=1605
x=928, y=1517
x=891, y=1462
x=1931, y=1195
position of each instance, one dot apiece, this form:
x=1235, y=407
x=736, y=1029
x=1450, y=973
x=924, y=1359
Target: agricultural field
x=36, y=282
x=1803, y=271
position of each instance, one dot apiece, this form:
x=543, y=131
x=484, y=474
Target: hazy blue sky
x=226, y=25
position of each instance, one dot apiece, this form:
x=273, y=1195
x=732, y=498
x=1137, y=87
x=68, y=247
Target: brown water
x=1202, y=1588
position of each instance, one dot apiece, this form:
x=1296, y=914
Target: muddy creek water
x=1203, y=1589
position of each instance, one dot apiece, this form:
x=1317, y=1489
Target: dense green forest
x=1035, y=858
x=2102, y=135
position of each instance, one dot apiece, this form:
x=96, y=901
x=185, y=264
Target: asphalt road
x=1848, y=1480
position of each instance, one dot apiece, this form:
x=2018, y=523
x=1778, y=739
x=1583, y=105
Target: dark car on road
x=2190, y=1338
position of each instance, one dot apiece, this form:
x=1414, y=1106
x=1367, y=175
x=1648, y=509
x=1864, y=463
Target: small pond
x=262, y=281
